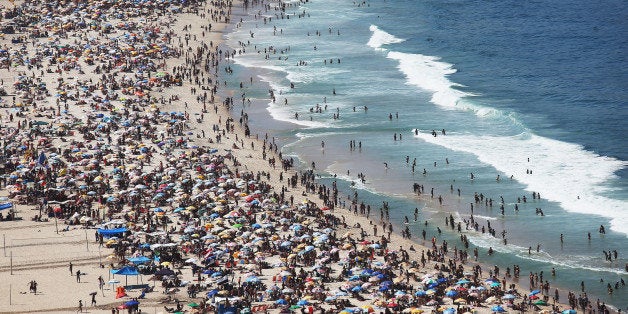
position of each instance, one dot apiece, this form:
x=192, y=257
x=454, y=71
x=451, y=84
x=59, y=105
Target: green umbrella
x=540, y=302
x=237, y=226
x=193, y=304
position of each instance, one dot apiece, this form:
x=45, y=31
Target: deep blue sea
x=531, y=91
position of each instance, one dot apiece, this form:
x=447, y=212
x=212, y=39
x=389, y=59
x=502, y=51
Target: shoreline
x=72, y=241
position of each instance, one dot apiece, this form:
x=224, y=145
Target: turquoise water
x=533, y=90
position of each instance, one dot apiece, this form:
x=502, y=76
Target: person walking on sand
x=71, y=273
x=80, y=306
x=78, y=276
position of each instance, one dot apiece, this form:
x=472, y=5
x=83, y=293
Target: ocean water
x=533, y=92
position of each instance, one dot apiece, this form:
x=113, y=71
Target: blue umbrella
x=356, y=289
x=303, y=303
x=509, y=297
x=139, y=260
x=451, y=293
x=131, y=303
x=281, y=302
x=212, y=293
x=497, y=308
x=367, y=272
x=420, y=293
x=533, y=292
x=252, y=279
x=463, y=281
x=570, y=311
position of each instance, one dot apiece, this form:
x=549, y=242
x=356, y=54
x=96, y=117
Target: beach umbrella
x=354, y=278
x=463, y=281
x=139, y=259
x=450, y=310
x=508, y=297
x=303, y=302
x=193, y=304
x=490, y=299
x=420, y=293
x=540, y=302
x=497, y=308
x=131, y=303
x=252, y=279
x=451, y=293
x=281, y=302
x=570, y=311
x=533, y=292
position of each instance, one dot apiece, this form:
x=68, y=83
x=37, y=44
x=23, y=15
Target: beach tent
x=111, y=232
x=126, y=271
x=6, y=206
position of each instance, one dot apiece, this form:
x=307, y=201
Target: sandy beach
x=112, y=126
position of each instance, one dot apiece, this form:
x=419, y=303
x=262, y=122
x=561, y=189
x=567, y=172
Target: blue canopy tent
x=126, y=271
x=11, y=212
x=6, y=206
x=107, y=233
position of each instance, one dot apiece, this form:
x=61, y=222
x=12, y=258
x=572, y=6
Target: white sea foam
x=476, y=217
x=281, y=112
x=381, y=38
x=561, y=172
x=431, y=74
